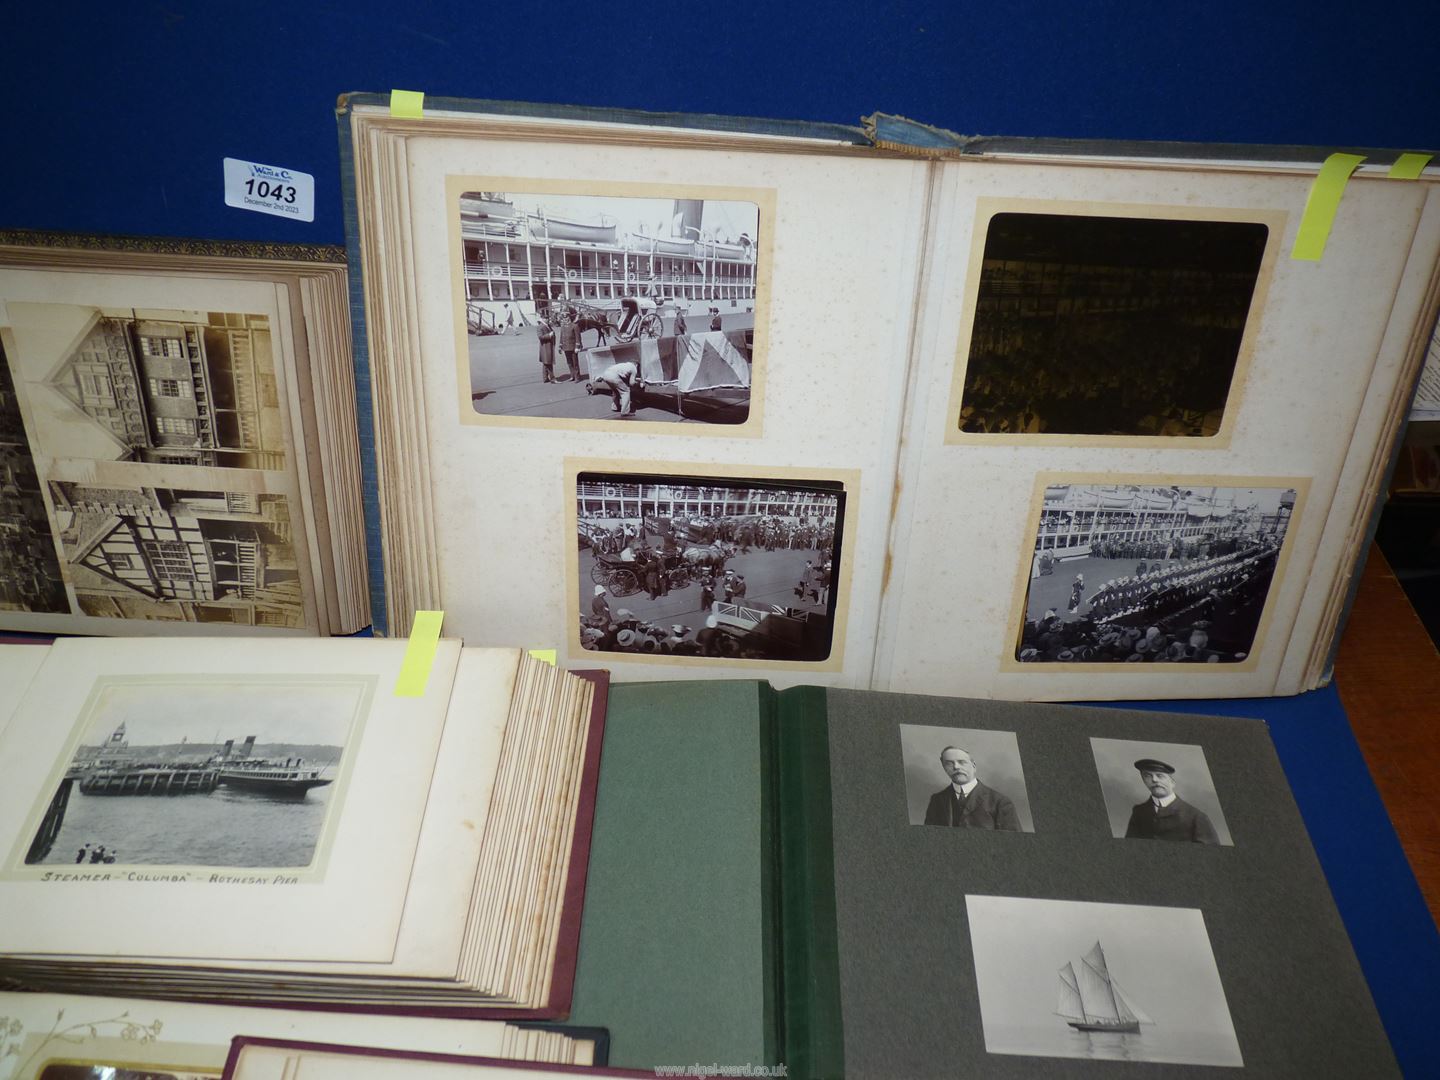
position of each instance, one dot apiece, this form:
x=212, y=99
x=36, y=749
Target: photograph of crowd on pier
x=1151, y=573
x=598, y=307
x=1108, y=326
x=187, y=773
x=708, y=567
x=30, y=578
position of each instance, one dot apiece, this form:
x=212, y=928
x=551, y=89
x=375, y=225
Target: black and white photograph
x=1110, y=982
x=1159, y=791
x=201, y=773
x=169, y=553
x=708, y=566
x=165, y=387
x=610, y=308
x=30, y=578
x=1151, y=573
x=1109, y=326
x=964, y=778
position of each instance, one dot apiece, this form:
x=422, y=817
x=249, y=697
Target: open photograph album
x=177, y=439
x=692, y=396
x=67, y=1037
x=278, y=824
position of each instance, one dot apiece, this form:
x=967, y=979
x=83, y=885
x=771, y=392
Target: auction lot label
x=269, y=189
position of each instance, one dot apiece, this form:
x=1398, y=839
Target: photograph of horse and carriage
x=704, y=566
x=602, y=307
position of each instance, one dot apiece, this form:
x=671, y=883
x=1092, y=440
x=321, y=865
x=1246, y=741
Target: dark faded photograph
x=1115, y=982
x=189, y=774
x=708, y=567
x=159, y=386
x=1150, y=573
x=1108, y=326
x=193, y=556
x=610, y=308
x=1159, y=791
x=964, y=778
x=29, y=568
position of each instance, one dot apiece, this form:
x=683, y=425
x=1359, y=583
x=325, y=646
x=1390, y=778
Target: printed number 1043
x=266, y=190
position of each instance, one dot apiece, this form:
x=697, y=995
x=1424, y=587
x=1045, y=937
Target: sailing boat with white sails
x=1091, y=999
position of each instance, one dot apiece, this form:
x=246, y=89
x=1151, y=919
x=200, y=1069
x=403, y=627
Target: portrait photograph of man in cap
x=983, y=784
x=1159, y=791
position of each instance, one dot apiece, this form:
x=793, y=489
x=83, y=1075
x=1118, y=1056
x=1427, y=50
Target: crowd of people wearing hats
x=624, y=631
x=770, y=532
x=1107, y=383
x=1157, y=617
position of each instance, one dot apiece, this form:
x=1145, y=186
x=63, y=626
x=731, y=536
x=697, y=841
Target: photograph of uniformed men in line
x=1151, y=573
x=1108, y=325
x=610, y=308
x=964, y=778
x=1159, y=791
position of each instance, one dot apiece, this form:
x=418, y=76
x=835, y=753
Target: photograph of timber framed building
x=192, y=556
x=179, y=388
x=30, y=578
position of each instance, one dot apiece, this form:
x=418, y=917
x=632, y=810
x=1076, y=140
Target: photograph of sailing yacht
x=190, y=772
x=609, y=308
x=1173, y=571
x=1118, y=982
x=1102, y=326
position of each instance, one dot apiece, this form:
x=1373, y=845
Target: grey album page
x=1034, y=889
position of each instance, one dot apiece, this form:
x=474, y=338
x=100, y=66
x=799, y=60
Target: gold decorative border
x=161, y=245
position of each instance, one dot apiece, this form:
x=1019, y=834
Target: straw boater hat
x=625, y=638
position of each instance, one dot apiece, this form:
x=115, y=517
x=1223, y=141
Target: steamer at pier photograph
x=212, y=774
x=708, y=566
x=610, y=308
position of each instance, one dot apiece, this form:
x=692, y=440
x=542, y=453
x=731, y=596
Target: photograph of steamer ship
x=1151, y=573
x=708, y=567
x=610, y=308
x=158, y=779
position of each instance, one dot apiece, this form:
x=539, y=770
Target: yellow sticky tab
x=1320, y=207
x=548, y=655
x=407, y=103
x=1409, y=166
x=420, y=654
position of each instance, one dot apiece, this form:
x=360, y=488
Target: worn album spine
x=811, y=1028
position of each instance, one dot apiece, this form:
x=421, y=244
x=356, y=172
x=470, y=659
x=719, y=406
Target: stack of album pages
x=285, y=823
x=84, y=1038
x=178, y=433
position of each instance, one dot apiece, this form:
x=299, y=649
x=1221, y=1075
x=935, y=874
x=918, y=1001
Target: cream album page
x=1144, y=440
x=216, y=868
x=743, y=316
